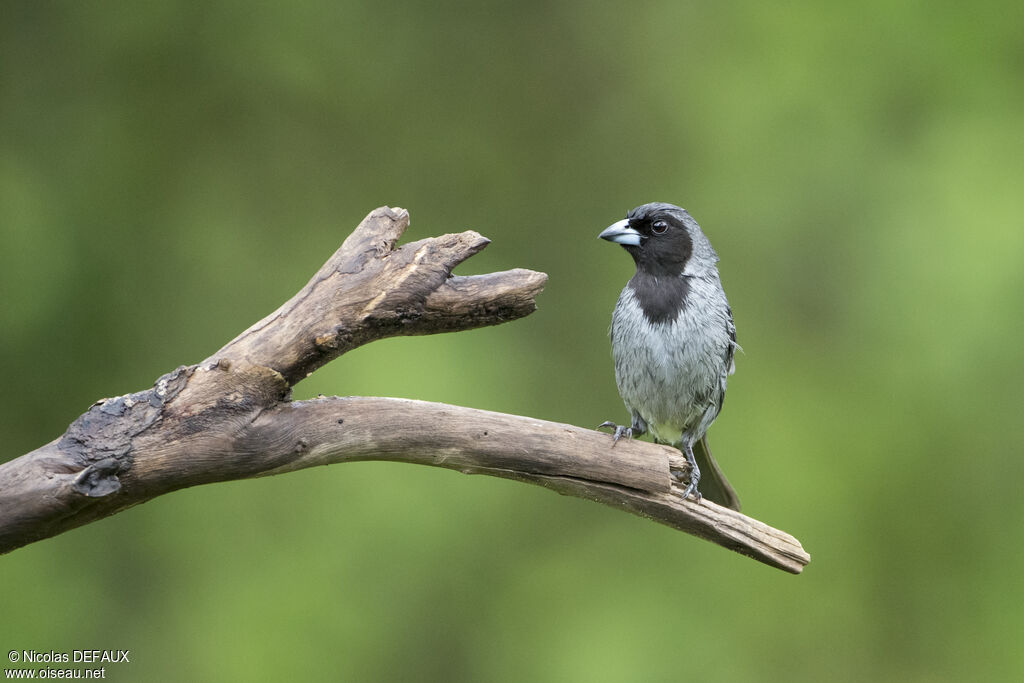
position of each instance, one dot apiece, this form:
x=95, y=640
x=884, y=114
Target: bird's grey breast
x=672, y=370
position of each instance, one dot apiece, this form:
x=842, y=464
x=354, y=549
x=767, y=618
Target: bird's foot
x=692, y=490
x=620, y=431
x=690, y=479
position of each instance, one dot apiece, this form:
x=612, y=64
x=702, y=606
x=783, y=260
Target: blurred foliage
x=171, y=172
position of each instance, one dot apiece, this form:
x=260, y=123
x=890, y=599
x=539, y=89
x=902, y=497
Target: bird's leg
x=638, y=428
x=687, y=449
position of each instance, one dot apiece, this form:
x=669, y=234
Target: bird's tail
x=713, y=484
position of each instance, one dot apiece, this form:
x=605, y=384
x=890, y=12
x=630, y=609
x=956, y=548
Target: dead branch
x=230, y=417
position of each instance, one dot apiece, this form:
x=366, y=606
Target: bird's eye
x=659, y=227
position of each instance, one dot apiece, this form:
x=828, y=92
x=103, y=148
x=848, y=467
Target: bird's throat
x=661, y=298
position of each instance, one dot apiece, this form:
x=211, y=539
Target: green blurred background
x=171, y=172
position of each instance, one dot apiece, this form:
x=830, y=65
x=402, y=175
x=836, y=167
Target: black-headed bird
x=673, y=340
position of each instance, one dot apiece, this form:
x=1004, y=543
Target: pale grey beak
x=621, y=233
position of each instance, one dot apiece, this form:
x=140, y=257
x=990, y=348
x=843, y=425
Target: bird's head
x=664, y=240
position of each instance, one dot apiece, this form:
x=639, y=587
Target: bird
x=673, y=340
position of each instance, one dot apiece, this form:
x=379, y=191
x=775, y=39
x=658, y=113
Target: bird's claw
x=692, y=490
x=691, y=487
x=620, y=431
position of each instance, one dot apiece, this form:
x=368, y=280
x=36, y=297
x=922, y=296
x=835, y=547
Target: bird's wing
x=730, y=350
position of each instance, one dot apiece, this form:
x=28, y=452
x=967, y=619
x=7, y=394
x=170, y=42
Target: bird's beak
x=621, y=233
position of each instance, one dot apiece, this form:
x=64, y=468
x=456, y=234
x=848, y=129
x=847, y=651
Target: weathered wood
x=634, y=475
x=230, y=416
x=369, y=290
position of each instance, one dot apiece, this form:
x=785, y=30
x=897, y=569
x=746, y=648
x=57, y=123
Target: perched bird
x=673, y=339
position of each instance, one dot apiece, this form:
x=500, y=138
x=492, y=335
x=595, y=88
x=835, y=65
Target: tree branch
x=230, y=416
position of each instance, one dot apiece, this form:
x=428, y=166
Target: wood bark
x=231, y=417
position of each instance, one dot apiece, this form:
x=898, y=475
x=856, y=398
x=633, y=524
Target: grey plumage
x=673, y=338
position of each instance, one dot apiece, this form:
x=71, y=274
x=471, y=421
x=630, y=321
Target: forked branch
x=230, y=417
